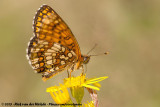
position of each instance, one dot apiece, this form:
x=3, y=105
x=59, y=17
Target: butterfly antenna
x=92, y=49
x=100, y=54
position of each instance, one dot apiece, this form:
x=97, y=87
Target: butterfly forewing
x=47, y=21
x=53, y=48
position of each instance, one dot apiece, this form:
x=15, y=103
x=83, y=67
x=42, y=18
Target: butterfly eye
x=86, y=59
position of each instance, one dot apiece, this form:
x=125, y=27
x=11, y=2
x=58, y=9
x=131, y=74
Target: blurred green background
x=128, y=29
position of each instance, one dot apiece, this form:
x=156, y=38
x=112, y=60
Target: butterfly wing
x=56, y=27
x=53, y=48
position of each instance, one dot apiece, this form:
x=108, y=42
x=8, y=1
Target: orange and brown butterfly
x=53, y=48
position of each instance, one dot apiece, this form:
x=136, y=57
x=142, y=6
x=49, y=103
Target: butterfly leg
x=68, y=73
x=85, y=68
x=83, y=71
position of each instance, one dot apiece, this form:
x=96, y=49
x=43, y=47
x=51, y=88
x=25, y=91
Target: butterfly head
x=86, y=59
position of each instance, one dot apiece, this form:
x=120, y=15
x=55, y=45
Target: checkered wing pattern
x=53, y=47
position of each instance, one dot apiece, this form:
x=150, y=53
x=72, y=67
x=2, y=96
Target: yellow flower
x=82, y=81
x=74, y=81
x=59, y=94
x=89, y=104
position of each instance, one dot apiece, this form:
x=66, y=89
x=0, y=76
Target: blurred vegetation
x=128, y=29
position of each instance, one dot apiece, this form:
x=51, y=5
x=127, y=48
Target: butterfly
x=53, y=48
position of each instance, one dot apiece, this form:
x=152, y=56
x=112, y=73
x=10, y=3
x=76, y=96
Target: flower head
x=76, y=84
x=59, y=94
x=82, y=81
